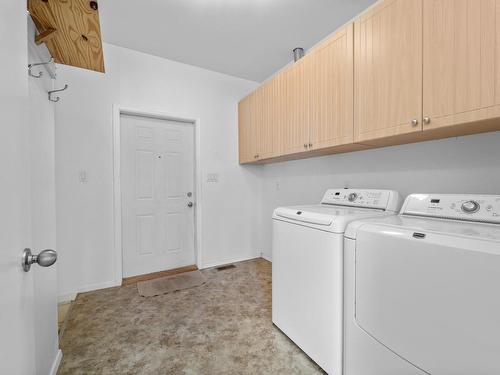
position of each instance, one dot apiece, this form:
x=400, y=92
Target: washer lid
x=456, y=228
x=325, y=217
x=431, y=298
x=308, y=216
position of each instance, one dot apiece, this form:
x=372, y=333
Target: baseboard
x=69, y=296
x=267, y=257
x=228, y=260
x=56, y=363
x=66, y=297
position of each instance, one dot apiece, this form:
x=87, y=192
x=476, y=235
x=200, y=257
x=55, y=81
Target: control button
x=470, y=207
x=352, y=197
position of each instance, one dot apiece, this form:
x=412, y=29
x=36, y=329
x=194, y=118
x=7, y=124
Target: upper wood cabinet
x=461, y=61
x=246, y=132
x=296, y=109
x=404, y=71
x=259, y=124
x=388, y=70
x=329, y=71
x=269, y=142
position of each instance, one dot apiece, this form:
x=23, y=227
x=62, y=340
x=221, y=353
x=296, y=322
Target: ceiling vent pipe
x=298, y=53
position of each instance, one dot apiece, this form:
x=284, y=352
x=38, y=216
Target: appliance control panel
x=481, y=208
x=364, y=198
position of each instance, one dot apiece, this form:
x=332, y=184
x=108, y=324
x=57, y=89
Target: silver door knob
x=414, y=122
x=190, y=204
x=45, y=259
x=427, y=120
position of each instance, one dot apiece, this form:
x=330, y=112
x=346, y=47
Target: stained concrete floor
x=222, y=327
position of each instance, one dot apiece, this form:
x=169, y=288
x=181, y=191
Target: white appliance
x=422, y=289
x=307, y=268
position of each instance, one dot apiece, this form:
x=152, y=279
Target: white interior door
x=17, y=336
x=43, y=213
x=157, y=185
x=27, y=299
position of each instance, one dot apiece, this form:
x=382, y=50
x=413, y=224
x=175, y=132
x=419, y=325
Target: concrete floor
x=222, y=327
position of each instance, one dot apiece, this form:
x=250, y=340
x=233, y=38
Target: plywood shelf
x=71, y=31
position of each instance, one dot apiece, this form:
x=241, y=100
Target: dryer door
x=433, y=299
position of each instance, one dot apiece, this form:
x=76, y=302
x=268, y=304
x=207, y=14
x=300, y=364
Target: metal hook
x=53, y=91
x=40, y=73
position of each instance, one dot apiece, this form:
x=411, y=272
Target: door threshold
x=155, y=275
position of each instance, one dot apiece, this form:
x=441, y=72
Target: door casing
x=119, y=110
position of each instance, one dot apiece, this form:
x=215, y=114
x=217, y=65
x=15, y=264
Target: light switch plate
x=212, y=177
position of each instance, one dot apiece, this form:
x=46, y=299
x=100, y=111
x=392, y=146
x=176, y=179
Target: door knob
x=414, y=122
x=45, y=259
x=190, y=204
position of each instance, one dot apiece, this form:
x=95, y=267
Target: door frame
x=119, y=110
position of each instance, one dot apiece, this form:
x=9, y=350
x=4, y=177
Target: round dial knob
x=352, y=197
x=470, y=207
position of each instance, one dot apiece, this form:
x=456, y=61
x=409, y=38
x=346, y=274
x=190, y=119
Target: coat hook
x=53, y=91
x=40, y=73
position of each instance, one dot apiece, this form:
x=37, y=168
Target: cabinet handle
x=414, y=122
x=427, y=120
x=310, y=145
x=305, y=145
x=256, y=156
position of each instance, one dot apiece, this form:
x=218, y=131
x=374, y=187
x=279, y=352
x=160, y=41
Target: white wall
x=43, y=208
x=457, y=165
x=84, y=142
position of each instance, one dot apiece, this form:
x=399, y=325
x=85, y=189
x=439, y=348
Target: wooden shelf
x=71, y=31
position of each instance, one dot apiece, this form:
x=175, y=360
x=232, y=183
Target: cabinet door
x=461, y=61
x=295, y=119
x=246, y=130
x=331, y=84
x=388, y=70
x=269, y=135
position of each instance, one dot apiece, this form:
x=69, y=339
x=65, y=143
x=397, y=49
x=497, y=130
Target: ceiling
x=250, y=39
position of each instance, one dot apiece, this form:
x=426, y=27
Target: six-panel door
x=461, y=61
x=157, y=174
x=388, y=70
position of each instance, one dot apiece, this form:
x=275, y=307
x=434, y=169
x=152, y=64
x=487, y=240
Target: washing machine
x=307, y=276
x=422, y=289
